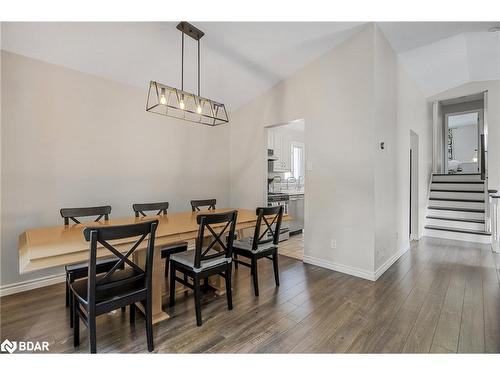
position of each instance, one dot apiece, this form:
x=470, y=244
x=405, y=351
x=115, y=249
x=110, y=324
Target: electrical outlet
x=333, y=243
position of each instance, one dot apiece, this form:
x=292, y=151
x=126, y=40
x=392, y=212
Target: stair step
x=451, y=203
x=454, y=222
x=460, y=209
x=458, y=182
x=469, y=186
x=457, y=200
x=457, y=230
x=458, y=191
x=457, y=177
x=478, y=221
x=456, y=174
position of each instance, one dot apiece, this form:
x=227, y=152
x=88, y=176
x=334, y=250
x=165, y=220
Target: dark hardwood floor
x=442, y=296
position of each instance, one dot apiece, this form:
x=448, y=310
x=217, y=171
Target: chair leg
x=149, y=323
x=132, y=314
x=229, y=290
x=172, y=286
x=167, y=263
x=71, y=309
x=92, y=333
x=76, y=324
x=197, y=299
x=67, y=293
x=205, y=284
x=235, y=256
x=276, y=270
x=255, y=276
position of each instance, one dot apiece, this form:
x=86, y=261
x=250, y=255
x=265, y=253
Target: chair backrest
x=73, y=213
x=141, y=208
x=222, y=222
x=271, y=218
x=197, y=203
x=101, y=235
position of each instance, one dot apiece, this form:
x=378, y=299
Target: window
x=297, y=160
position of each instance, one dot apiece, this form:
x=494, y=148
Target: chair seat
x=120, y=284
x=246, y=244
x=173, y=248
x=187, y=259
x=79, y=270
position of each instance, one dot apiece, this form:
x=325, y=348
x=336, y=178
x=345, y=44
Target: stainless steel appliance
x=296, y=211
x=276, y=199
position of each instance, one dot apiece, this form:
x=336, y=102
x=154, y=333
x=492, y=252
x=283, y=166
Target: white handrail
x=493, y=222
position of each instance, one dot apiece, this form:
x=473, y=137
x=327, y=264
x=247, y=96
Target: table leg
x=158, y=282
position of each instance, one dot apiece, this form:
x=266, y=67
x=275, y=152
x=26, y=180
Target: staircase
x=456, y=208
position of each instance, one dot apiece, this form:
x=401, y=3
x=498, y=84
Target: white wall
x=351, y=99
x=334, y=96
x=385, y=97
x=415, y=114
x=73, y=139
x=493, y=117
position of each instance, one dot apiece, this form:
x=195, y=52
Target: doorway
x=285, y=156
x=413, y=183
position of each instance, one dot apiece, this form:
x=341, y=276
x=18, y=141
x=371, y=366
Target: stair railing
x=492, y=221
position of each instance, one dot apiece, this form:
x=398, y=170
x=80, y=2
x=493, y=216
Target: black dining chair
x=198, y=204
x=161, y=208
x=117, y=288
x=206, y=261
x=80, y=270
x=261, y=245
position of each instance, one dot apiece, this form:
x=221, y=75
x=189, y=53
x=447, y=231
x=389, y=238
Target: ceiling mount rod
x=196, y=34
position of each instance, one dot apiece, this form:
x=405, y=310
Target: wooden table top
x=48, y=243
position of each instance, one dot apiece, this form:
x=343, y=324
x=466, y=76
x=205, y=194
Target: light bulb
x=163, y=98
x=198, y=109
x=181, y=104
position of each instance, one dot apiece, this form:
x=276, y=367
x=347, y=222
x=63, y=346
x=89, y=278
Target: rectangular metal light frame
x=212, y=113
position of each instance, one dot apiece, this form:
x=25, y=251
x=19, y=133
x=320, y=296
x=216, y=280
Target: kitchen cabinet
x=280, y=144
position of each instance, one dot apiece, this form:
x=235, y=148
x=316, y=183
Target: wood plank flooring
x=442, y=296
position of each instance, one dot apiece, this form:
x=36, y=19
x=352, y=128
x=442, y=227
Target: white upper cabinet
x=280, y=144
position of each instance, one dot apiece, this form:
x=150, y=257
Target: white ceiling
x=442, y=55
x=242, y=60
x=239, y=61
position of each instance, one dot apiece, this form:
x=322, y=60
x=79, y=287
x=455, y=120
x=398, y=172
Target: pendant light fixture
x=180, y=104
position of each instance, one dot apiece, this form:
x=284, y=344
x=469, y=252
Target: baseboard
x=389, y=262
x=23, y=286
x=353, y=271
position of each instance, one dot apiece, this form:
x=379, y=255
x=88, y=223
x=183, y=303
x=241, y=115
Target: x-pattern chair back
x=223, y=221
x=101, y=235
x=267, y=216
x=197, y=204
x=141, y=208
x=73, y=213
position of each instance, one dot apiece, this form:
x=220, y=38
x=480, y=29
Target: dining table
x=53, y=246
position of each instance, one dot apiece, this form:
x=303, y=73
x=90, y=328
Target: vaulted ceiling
x=242, y=60
x=443, y=55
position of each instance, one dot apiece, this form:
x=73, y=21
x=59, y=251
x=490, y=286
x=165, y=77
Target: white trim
x=353, y=271
x=389, y=262
x=23, y=286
